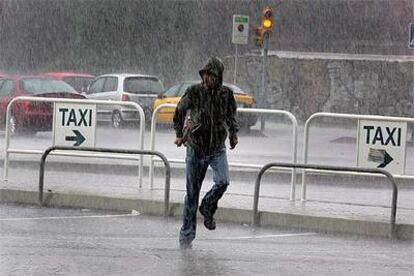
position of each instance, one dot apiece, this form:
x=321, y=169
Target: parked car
x=174, y=94
x=141, y=89
x=78, y=81
x=30, y=117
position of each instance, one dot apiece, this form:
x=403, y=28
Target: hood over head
x=215, y=66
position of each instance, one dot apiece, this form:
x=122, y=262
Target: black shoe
x=186, y=245
x=209, y=221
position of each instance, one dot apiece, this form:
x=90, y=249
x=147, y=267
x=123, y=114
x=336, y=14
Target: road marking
x=261, y=236
x=69, y=217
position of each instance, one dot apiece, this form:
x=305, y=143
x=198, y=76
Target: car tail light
x=26, y=105
x=125, y=98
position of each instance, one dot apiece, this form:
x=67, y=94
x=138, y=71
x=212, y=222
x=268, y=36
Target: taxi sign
x=382, y=144
x=74, y=124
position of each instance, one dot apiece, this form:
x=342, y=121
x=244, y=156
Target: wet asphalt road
x=48, y=241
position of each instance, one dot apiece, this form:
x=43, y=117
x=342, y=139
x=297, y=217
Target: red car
x=30, y=117
x=79, y=81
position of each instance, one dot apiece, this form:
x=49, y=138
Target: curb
x=271, y=219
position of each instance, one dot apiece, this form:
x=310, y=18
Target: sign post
x=74, y=125
x=240, y=36
x=382, y=144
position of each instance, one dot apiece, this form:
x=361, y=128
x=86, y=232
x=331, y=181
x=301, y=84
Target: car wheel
x=117, y=119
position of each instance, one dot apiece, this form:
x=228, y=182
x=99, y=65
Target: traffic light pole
x=264, y=78
x=235, y=65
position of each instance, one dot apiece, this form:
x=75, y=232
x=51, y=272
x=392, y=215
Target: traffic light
x=266, y=25
x=267, y=19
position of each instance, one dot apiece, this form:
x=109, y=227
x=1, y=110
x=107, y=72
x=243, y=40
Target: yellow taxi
x=174, y=93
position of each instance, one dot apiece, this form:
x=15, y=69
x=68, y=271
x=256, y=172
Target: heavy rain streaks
x=344, y=57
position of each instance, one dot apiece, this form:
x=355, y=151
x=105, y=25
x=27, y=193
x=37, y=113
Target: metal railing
x=117, y=151
x=255, y=218
x=343, y=116
x=242, y=110
x=77, y=101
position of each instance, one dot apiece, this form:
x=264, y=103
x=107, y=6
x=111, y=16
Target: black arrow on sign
x=380, y=156
x=79, y=138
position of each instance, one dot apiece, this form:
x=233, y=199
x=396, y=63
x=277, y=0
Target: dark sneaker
x=186, y=245
x=209, y=221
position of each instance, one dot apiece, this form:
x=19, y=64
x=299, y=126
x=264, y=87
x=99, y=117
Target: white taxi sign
x=74, y=124
x=382, y=144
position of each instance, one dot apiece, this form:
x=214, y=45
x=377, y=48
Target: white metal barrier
x=342, y=116
x=242, y=110
x=7, y=150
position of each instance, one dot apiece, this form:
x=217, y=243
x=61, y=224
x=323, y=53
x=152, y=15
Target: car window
x=111, y=84
x=37, y=86
x=236, y=89
x=184, y=87
x=97, y=86
x=142, y=85
x=172, y=91
x=79, y=83
x=6, y=87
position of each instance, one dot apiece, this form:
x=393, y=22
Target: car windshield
x=38, y=86
x=236, y=89
x=140, y=85
x=79, y=83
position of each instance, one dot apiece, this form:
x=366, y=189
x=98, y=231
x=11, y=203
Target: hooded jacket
x=213, y=111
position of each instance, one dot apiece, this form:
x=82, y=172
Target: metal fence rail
x=77, y=101
x=255, y=218
x=343, y=116
x=291, y=117
x=116, y=151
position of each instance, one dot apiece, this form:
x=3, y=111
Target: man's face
x=209, y=80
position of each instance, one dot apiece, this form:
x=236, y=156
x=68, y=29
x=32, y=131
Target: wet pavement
x=342, y=198
x=357, y=197
x=134, y=245
x=46, y=241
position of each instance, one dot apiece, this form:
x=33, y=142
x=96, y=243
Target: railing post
x=141, y=152
x=343, y=116
x=255, y=213
x=79, y=101
x=243, y=110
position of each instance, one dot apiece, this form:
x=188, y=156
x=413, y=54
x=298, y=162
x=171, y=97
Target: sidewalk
x=356, y=205
x=338, y=208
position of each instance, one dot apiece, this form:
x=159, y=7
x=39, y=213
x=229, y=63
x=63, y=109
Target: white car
x=141, y=89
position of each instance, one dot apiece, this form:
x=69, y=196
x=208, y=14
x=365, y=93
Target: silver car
x=141, y=89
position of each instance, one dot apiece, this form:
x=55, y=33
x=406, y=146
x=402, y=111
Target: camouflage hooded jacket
x=212, y=110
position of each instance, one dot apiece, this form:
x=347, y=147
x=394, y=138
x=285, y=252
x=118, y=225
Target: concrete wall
x=305, y=83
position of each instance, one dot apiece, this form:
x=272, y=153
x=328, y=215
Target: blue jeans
x=196, y=168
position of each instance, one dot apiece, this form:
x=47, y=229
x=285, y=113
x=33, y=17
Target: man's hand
x=178, y=141
x=233, y=141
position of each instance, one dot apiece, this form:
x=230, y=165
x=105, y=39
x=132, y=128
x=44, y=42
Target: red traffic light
x=267, y=13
